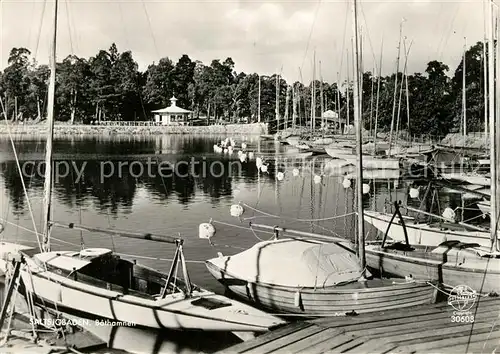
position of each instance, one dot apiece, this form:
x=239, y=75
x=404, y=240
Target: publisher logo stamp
x=462, y=298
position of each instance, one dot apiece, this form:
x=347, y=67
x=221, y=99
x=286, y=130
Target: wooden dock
x=421, y=329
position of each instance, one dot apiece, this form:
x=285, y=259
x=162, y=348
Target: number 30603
x=462, y=318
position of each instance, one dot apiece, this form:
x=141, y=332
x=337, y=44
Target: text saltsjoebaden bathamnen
x=51, y=322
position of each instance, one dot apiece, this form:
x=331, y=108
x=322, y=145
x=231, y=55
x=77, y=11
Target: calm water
x=118, y=183
x=123, y=183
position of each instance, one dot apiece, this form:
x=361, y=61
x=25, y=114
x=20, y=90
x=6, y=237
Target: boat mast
x=485, y=73
x=464, y=105
x=494, y=130
x=491, y=101
x=395, y=87
x=359, y=137
x=48, y=149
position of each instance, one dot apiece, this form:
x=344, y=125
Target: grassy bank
x=61, y=130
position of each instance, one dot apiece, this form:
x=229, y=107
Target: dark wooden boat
x=312, y=279
x=452, y=263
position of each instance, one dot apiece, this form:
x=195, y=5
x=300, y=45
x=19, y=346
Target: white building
x=172, y=115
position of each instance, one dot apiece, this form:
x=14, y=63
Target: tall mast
x=464, y=104
x=494, y=133
x=359, y=137
x=485, y=72
x=322, y=99
x=378, y=97
x=48, y=154
x=395, y=86
x=491, y=109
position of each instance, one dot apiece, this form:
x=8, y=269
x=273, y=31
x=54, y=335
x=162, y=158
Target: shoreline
x=28, y=131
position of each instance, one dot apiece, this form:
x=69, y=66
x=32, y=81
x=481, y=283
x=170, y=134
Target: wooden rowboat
x=308, y=278
x=451, y=263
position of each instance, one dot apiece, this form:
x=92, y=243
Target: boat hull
x=482, y=274
x=360, y=297
x=176, y=312
x=423, y=234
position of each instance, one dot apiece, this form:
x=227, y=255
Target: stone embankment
x=61, y=130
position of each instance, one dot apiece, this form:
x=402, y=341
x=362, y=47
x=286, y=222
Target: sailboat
x=96, y=283
x=462, y=259
x=308, y=278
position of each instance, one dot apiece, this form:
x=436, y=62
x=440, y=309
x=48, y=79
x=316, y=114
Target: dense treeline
x=109, y=86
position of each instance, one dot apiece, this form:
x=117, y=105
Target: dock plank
x=306, y=343
x=329, y=345
x=284, y=341
x=267, y=337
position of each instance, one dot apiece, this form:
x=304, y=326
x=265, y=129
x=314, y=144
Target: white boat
x=375, y=163
x=475, y=179
x=95, y=283
x=293, y=140
x=308, y=278
x=423, y=233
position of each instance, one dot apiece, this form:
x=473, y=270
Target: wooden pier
x=421, y=329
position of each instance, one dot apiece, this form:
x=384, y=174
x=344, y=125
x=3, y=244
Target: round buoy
x=236, y=210
x=263, y=168
x=206, y=230
x=449, y=214
x=346, y=183
x=295, y=172
x=280, y=176
x=366, y=188
x=414, y=193
x=317, y=179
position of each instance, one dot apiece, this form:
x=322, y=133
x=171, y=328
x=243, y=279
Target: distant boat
x=423, y=233
x=471, y=178
x=312, y=279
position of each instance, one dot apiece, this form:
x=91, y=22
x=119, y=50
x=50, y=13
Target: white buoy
x=250, y=155
x=236, y=210
x=206, y=230
x=243, y=146
x=243, y=157
x=346, y=183
x=295, y=172
x=414, y=193
x=366, y=188
x=263, y=168
x=280, y=176
x=449, y=214
x=317, y=179
x=258, y=162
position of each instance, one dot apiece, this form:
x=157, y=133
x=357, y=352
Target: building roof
x=173, y=108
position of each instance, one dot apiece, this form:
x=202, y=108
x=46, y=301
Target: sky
x=281, y=36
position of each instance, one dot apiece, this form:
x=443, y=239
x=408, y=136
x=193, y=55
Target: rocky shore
x=27, y=131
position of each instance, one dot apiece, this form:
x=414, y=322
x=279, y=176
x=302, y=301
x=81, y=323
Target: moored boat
x=427, y=234
x=452, y=263
x=313, y=279
x=95, y=283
